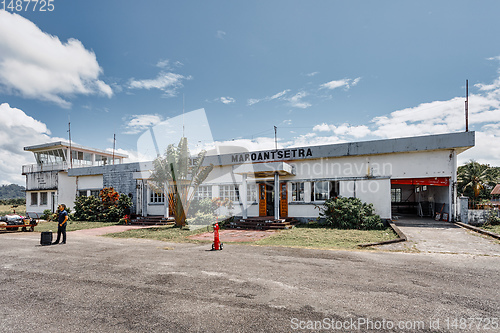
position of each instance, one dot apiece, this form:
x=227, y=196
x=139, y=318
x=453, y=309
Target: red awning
x=434, y=181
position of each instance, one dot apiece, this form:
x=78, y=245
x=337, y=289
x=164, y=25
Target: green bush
x=349, y=213
x=493, y=218
x=201, y=219
x=96, y=209
x=47, y=214
x=203, y=206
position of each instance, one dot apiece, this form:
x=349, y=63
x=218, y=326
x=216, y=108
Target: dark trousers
x=61, y=230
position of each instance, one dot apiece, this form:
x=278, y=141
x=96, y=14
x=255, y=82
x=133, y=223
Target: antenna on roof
x=466, y=105
x=114, y=144
x=276, y=137
x=69, y=135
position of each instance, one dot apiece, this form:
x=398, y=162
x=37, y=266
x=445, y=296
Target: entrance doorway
x=420, y=196
x=266, y=199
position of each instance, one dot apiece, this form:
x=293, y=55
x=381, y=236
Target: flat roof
x=64, y=144
x=460, y=142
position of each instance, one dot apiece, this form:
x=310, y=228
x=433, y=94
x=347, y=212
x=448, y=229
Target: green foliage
x=349, y=213
x=12, y=191
x=47, y=214
x=108, y=208
x=87, y=208
x=175, y=174
x=493, y=218
x=476, y=181
x=11, y=202
x=201, y=219
x=203, y=206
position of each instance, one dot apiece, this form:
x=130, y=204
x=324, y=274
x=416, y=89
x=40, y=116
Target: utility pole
x=276, y=138
x=466, y=105
x=70, y=153
x=114, y=144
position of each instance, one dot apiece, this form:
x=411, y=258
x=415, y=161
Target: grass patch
x=321, y=238
x=166, y=233
x=72, y=225
x=327, y=238
x=7, y=210
x=492, y=228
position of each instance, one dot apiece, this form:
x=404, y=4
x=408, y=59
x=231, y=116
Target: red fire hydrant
x=217, y=245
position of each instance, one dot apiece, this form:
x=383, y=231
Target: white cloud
x=296, y=100
x=139, y=123
x=166, y=64
x=346, y=83
x=165, y=81
x=279, y=96
x=227, y=100
x=163, y=63
x=220, y=34
x=18, y=130
x=37, y=65
x=344, y=130
x=252, y=101
x=312, y=74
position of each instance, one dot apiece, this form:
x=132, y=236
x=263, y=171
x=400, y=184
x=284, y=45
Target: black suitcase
x=46, y=238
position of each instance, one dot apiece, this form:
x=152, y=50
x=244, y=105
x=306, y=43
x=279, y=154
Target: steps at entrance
x=264, y=223
x=152, y=220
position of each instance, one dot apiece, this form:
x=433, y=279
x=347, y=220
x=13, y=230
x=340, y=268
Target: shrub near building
x=349, y=213
x=109, y=207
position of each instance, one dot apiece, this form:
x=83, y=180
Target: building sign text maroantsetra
x=272, y=155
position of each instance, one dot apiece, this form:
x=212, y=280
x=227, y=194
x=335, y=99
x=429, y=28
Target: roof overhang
x=264, y=170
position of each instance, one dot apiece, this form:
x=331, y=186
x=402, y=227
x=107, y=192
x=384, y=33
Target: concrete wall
x=90, y=182
x=46, y=180
x=480, y=216
x=66, y=193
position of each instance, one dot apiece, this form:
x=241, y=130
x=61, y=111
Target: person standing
x=61, y=226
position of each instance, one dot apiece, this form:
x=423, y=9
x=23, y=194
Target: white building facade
x=415, y=175
x=47, y=181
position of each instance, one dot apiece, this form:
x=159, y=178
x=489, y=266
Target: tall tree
x=475, y=180
x=178, y=179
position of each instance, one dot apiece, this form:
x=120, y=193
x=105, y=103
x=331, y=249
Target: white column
x=453, y=188
x=243, y=196
x=276, y=196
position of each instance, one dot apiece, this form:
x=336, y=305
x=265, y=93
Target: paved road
x=99, y=284
x=428, y=235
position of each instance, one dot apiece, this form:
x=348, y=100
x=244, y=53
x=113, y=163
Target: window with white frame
x=95, y=193
x=229, y=192
x=203, y=192
x=252, y=193
x=324, y=190
x=82, y=193
x=396, y=195
x=155, y=197
x=44, y=198
x=34, y=198
x=297, y=191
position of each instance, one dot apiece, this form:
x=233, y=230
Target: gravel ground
x=100, y=284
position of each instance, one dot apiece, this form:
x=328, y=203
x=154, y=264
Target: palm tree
x=177, y=179
x=474, y=176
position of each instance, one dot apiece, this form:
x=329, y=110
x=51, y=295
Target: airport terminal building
x=414, y=175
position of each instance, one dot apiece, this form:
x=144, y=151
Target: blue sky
x=321, y=71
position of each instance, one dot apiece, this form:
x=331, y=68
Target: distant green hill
x=12, y=191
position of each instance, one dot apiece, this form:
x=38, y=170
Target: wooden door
x=262, y=200
x=171, y=204
x=283, y=200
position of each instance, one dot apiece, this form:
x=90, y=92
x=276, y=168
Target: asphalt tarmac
x=100, y=284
